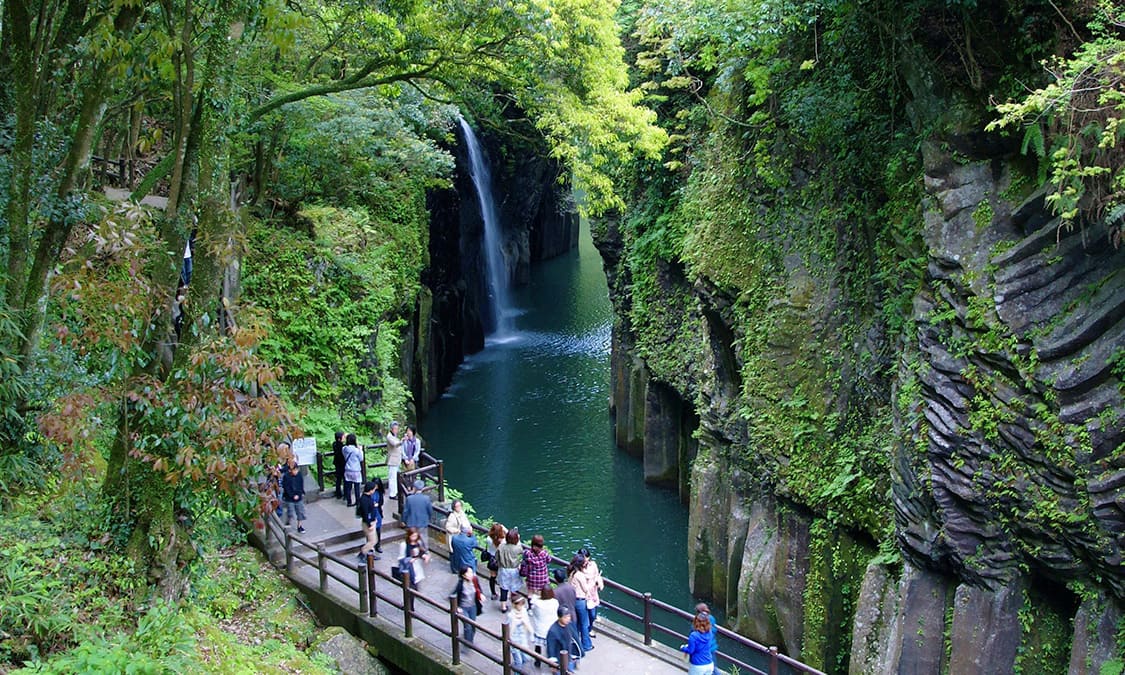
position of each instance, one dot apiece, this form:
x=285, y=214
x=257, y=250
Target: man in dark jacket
x=461, y=551
x=293, y=494
x=561, y=637
x=564, y=593
x=418, y=510
x=338, y=463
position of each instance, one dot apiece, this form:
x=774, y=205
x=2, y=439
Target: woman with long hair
x=594, y=588
x=507, y=559
x=698, y=647
x=413, y=554
x=492, y=543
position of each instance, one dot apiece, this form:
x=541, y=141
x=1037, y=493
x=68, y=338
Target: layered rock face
x=1006, y=476
x=538, y=220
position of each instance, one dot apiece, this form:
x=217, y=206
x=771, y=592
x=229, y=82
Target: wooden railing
x=431, y=471
x=649, y=625
x=376, y=590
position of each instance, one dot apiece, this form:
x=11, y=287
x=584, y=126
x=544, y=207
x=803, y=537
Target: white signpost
x=304, y=449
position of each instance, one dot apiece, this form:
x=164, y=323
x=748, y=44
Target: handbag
x=525, y=566
x=399, y=571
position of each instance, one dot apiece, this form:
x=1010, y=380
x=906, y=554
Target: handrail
x=648, y=625
x=364, y=580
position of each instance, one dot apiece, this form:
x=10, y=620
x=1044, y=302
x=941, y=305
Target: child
x=293, y=493
x=522, y=629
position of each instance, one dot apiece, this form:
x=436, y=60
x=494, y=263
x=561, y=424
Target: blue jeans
x=583, y=623
x=468, y=630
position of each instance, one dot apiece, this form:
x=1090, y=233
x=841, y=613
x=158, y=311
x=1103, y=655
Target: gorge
x=863, y=261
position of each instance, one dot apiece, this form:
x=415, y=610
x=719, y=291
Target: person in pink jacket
x=595, y=584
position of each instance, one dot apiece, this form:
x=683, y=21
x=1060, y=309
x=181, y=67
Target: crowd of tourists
x=549, y=612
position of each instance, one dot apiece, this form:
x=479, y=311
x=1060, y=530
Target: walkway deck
x=333, y=527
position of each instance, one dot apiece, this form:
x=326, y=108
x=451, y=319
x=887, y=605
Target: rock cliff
x=1005, y=420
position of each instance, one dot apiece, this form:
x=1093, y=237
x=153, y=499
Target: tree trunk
x=17, y=24
x=161, y=536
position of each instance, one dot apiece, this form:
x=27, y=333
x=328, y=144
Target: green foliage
x=1045, y=635
x=1080, y=112
x=71, y=602
x=360, y=148
x=336, y=303
x=14, y=390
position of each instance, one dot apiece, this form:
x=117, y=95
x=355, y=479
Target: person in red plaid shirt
x=534, y=565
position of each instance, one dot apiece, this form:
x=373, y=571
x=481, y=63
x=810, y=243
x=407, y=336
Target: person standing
x=698, y=647
x=522, y=629
x=394, y=459
x=560, y=638
x=338, y=463
x=581, y=584
x=544, y=611
x=411, y=448
x=702, y=608
x=535, y=565
x=595, y=587
x=457, y=520
x=418, y=510
x=371, y=513
x=507, y=560
x=493, y=541
x=413, y=554
x=353, y=470
x=469, y=600
x=293, y=494
x=566, y=595
x=461, y=551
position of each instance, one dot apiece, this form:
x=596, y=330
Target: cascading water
x=493, y=253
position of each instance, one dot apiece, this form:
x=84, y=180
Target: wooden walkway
x=324, y=557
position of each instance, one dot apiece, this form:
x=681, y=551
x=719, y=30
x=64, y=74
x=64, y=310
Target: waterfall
x=493, y=252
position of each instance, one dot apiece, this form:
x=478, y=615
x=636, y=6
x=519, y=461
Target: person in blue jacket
x=698, y=647
x=702, y=608
x=461, y=555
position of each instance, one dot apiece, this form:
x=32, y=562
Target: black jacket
x=291, y=485
x=338, y=456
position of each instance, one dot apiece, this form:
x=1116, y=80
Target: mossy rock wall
x=976, y=455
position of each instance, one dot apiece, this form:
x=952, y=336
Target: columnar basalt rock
x=1007, y=476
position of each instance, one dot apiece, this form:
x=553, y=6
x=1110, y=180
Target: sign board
x=304, y=449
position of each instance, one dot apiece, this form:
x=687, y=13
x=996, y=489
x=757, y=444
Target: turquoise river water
x=526, y=435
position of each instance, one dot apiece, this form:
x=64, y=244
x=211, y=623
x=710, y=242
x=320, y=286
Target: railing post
x=371, y=594
x=361, y=578
x=564, y=662
x=363, y=464
x=506, y=642
x=648, y=619
x=441, y=480
x=320, y=471
x=455, y=644
x=407, y=602
x=322, y=567
x=288, y=552
x=773, y=660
